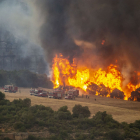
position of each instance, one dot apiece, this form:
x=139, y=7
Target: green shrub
x=28, y=125
x=83, y=123
x=53, y=129
x=63, y=134
x=114, y=135
x=96, y=132
x=1, y=118
x=106, y=120
x=63, y=109
x=81, y=137
x=29, y=120
x=30, y=137
x=22, y=129
x=43, y=114
x=136, y=124
x=38, y=108
x=92, y=136
x=27, y=102
x=131, y=133
x=6, y=138
x=124, y=125
x=51, y=121
x=18, y=125
x=41, y=123
x=83, y=126
x=2, y=96
x=64, y=115
x=18, y=103
x=137, y=137
x=23, y=117
x=78, y=110
x=53, y=137
x=4, y=102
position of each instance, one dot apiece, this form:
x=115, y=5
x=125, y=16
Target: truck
x=35, y=92
x=69, y=97
x=74, y=93
x=32, y=91
x=10, y=88
x=43, y=94
x=50, y=95
x=56, y=94
x=71, y=94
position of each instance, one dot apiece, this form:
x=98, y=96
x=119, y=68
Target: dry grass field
x=121, y=110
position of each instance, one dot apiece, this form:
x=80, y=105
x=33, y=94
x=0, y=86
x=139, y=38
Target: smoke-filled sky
x=17, y=18
x=76, y=28
x=19, y=28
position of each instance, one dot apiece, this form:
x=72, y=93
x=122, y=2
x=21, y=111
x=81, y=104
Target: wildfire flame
x=103, y=42
x=66, y=74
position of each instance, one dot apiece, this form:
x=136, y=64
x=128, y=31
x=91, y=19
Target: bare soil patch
x=121, y=110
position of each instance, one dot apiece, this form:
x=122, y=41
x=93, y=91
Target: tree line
x=24, y=78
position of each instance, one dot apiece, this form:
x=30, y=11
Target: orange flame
x=80, y=79
x=112, y=79
x=56, y=73
x=66, y=74
x=103, y=42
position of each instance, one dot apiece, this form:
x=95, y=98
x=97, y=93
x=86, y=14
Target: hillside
x=122, y=111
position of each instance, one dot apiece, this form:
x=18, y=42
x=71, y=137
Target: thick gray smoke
x=16, y=18
x=97, y=32
x=53, y=35
x=101, y=31
x=117, y=22
x=19, y=29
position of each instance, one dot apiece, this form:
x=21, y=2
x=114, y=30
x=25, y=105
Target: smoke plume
x=54, y=34
x=96, y=31
x=19, y=29
x=116, y=22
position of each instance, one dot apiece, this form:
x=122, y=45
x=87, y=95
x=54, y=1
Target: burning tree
x=98, y=82
x=94, y=81
x=104, y=44
x=135, y=95
x=117, y=94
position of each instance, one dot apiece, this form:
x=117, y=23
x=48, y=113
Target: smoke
x=17, y=21
x=76, y=28
x=116, y=22
x=53, y=34
x=16, y=17
x=20, y=25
